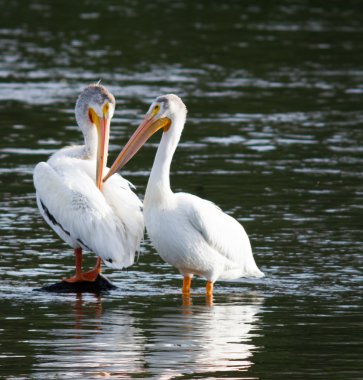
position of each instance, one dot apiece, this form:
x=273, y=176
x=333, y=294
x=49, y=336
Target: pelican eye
x=156, y=108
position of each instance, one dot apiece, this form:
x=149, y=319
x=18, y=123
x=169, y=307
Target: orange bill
x=103, y=132
x=102, y=125
x=146, y=129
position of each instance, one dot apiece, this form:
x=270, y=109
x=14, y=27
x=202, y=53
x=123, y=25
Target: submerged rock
x=102, y=284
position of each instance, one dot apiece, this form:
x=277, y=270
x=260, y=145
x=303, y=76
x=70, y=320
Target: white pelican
x=68, y=191
x=190, y=233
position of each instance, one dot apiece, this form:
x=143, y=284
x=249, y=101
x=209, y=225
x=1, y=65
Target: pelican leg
x=186, y=285
x=209, y=293
x=78, y=276
x=209, y=289
x=87, y=276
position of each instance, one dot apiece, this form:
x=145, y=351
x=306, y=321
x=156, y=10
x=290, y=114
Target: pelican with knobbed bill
x=190, y=233
x=105, y=219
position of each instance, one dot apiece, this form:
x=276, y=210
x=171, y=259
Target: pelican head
x=163, y=114
x=94, y=110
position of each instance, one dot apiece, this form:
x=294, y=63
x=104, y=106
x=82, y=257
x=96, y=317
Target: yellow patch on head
x=106, y=108
x=167, y=124
x=155, y=110
x=92, y=115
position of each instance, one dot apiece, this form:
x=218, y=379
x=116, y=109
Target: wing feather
x=220, y=231
x=69, y=193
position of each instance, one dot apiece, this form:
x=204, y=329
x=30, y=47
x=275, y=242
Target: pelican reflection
x=96, y=339
x=113, y=338
x=201, y=339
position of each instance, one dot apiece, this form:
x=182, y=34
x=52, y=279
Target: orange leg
x=209, y=293
x=187, y=281
x=209, y=289
x=87, y=276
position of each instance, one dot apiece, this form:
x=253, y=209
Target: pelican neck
x=158, y=188
x=90, y=140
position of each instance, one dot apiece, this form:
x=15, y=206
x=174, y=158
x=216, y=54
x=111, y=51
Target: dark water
x=274, y=136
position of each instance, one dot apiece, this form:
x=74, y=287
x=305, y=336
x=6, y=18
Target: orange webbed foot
x=89, y=276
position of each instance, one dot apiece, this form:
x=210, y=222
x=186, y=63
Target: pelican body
x=190, y=233
x=106, y=220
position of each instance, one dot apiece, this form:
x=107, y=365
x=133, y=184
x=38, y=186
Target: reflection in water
x=92, y=343
x=98, y=342
x=200, y=339
x=79, y=311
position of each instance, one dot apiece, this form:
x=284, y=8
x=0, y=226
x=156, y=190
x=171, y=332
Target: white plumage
x=188, y=232
x=108, y=222
x=196, y=237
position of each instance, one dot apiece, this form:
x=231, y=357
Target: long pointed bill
x=146, y=129
x=103, y=132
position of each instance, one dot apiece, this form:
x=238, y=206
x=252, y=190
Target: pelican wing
x=73, y=201
x=221, y=232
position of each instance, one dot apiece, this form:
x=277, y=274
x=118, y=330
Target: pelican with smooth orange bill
x=87, y=215
x=190, y=233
